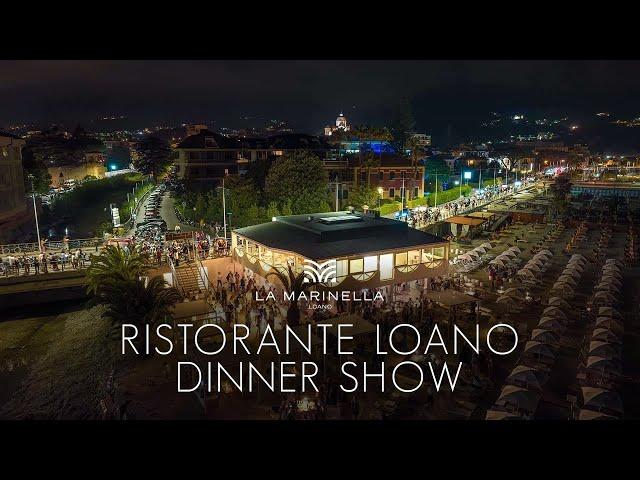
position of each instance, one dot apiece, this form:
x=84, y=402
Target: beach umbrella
x=525, y=273
x=567, y=279
x=527, y=377
x=563, y=290
x=550, y=323
x=473, y=253
x=521, y=398
x=545, y=252
x=559, y=302
x=601, y=399
x=611, y=275
x=516, y=249
x=602, y=364
x=604, y=349
x=602, y=294
x=533, y=267
x=487, y=245
x=539, y=350
x=516, y=292
x=574, y=268
x=614, y=261
x=480, y=250
x=611, y=280
x=554, y=311
x=586, y=414
x=505, y=299
x=604, y=335
x=509, y=253
x=609, y=312
x=539, y=261
x=610, y=323
x=571, y=273
x=494, y=414
x=544, y=336
x=578, y=256
x=465, y=257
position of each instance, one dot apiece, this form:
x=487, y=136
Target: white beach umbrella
x=604, y=349
x=559, y=302
x=601, y=399
x=554, y=311
x=586, y=414
x=527, y=377
x=539, y=350
x=550, y=323
x=543, y=335
x=521, y=398
x=605, y=335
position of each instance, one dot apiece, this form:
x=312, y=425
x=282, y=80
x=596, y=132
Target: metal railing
x=27, y=247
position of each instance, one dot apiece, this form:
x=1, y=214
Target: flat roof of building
x=335, y=234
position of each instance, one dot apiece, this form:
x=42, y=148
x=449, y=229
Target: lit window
x=371, y=263
x=401, y=259
x=356, y=266
x=414, y=257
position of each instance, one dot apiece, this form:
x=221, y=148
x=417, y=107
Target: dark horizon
x=309, y=94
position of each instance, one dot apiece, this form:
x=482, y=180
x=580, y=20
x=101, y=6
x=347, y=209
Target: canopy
x=595, y=362
x=586, y=414
x=573, y=273
x=610, y=323
x=559, y=302
x=605, y=335
x=526, y=377
x=545, y=252
x=480, y=250
x=501, y=415
x=533, y=267
x=609, y=312
x=509, y=253
x=550, y=323
x=526, y=273
x=554, y=311
x=473, y=253
x=520, y=397
x=567, y=279
x=599, y=398
x=563, y=290
x=516, y=249
x=543, y=335
x=487, y=245
x=539, y=350
x=604, y=349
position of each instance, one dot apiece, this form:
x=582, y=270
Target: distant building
x=423, y=139
x=195, y=129
x=13, y=203
x=208, y=156
x=341, y=124
x=388, y=176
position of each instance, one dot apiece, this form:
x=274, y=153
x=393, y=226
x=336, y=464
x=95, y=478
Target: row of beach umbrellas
x=565, y=284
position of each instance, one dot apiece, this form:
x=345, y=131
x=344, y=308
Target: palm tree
x=141, y=303
x=292, y=282
x=369, y=161
x=115, y=265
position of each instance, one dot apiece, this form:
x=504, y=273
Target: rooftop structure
x=368, y=251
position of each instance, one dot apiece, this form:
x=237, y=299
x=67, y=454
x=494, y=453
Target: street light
x=35, y=210
x=380, y=192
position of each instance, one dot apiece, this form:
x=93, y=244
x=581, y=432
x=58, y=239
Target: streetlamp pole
x=435, y=200
x=460, y=179
x=224, y=211
x=35, y=212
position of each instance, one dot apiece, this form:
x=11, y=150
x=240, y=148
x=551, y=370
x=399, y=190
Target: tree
x=114, y=265
x=34, y=165
x=292, y=282
x=153, y=156
x=402, y=125
x=364, y=195
x=272, y=210
x=369, y=160
x=300, y=179
x=560, y=189
x=114, y=279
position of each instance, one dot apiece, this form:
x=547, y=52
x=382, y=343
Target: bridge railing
x=27, y=247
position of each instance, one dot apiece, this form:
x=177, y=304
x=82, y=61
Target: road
x=168, y=214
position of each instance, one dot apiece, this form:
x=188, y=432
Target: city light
x=467, y=175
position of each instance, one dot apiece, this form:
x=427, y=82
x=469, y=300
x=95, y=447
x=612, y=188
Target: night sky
x=309, y=94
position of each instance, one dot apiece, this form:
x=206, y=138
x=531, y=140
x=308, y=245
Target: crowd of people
x=423, y=216
x=44, y=262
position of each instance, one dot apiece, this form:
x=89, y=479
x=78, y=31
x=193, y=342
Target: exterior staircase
x=188, y=279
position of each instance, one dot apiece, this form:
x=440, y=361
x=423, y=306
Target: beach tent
x=538, y=350
x=521, y=398
x=586, y=414
x=599, y=399
x=494, y=414
x=609, y=312
x=559, y=302
x=544, y=336
x=609, y=366
x=604, y=349
x=550, y=323
x=605, y=335
x=554, y=311
x=527, y=377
